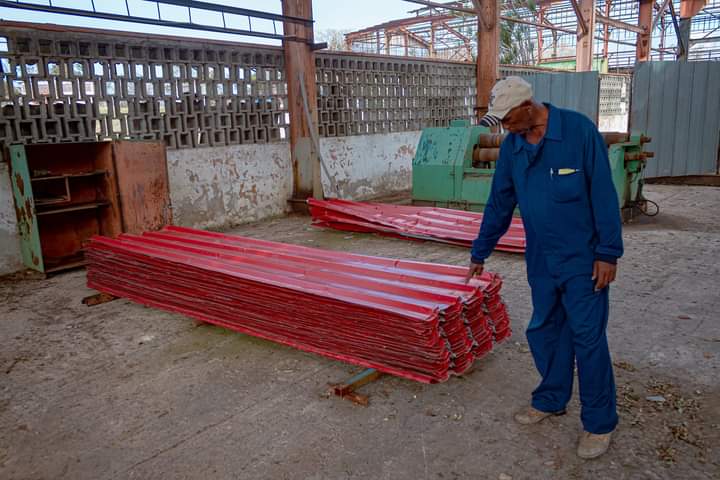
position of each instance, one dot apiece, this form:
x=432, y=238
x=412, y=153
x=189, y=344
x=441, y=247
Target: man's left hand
x=603, y=274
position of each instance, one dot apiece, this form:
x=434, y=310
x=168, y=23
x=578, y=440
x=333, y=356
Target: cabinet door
x=142, y=177
x=25, y=209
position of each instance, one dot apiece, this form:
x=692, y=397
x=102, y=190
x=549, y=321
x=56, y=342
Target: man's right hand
x=474, y=269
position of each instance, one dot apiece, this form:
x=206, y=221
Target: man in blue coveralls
x=554, y=165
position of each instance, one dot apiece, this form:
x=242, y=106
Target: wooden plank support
x=347, y=390
x=300, y=62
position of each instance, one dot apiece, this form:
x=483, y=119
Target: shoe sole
x=594, y=456
x=550, y=414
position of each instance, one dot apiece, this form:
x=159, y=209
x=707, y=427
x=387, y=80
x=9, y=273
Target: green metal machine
x=453, y=167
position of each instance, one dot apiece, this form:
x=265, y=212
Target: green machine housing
x=453, y=167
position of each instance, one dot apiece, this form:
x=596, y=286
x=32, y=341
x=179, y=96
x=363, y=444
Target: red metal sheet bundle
x=411, y=319
x=457, y=227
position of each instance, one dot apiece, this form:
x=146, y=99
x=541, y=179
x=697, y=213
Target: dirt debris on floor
x=122, y=391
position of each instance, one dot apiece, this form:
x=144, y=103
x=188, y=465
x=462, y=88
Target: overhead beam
x=537, y=24
x=605, y=20
x=582, y=23
x=659, y=15
x=147, y=20
x=417, y=38
x=454, y=8
x=682, y=46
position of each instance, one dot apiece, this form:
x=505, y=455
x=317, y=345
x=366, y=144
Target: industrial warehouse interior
x=315, y=239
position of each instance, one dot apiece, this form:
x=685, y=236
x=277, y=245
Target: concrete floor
x=122, y=391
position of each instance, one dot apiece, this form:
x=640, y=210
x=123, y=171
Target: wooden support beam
x=585, y=36
x=582, y=23
x=488, y=13
x=300, y=62
x=642, y=52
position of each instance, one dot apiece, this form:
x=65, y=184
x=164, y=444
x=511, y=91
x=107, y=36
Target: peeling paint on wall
x=10, y=256
x=219, y=187
x=368, y=166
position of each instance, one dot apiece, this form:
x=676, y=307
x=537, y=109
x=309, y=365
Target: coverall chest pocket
x=567, y=186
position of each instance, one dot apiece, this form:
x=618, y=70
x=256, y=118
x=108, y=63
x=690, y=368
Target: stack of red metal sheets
x=411, y=319
x=457, y=227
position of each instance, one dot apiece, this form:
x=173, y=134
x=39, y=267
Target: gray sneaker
x=593, y=445
x=531, y=416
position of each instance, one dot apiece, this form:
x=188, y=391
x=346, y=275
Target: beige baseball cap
x=506, y=95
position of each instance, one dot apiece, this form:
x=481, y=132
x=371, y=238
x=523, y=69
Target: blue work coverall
x=571, y=215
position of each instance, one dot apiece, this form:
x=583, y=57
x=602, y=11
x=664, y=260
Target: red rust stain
x=20, y=184
x=35, y=259
x=28, y=207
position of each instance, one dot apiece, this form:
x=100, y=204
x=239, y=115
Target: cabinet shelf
x=69, y=175
x=75, y=208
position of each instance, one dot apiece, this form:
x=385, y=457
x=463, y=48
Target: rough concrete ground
x=122, y=391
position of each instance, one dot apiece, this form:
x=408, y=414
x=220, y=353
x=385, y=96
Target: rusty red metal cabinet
x=66, y=193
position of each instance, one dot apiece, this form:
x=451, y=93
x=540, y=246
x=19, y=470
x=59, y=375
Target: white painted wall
x=219, y=187
x=10, y=256
x=368, y=166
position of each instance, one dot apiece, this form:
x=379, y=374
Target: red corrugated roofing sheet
x=411, y=319
x=427, y=223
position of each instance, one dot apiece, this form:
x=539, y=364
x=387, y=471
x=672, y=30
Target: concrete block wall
x=365, y=95
x=221, y=109
x=74, y=86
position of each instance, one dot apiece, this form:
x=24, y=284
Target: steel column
x=645, y=21
x=585, y=36
x=300, y=62
x=487, y=51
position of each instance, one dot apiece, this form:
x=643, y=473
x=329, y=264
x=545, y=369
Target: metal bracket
x=580, y=18
x=347, y=390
